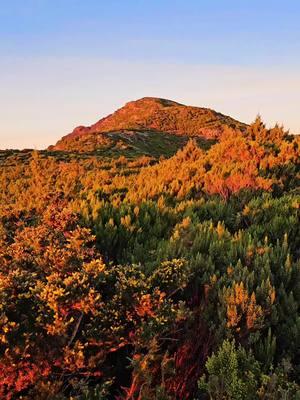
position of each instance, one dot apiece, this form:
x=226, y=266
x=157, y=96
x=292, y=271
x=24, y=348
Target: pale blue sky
x=70, y=62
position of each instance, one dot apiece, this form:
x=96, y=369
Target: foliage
x=124, y=275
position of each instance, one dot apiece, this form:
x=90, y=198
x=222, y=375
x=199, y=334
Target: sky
x=65, y=63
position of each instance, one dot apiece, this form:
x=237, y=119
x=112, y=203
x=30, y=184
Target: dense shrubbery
x=120, y=279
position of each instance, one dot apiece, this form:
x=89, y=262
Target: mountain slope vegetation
x=149, y=114
x=154, y=265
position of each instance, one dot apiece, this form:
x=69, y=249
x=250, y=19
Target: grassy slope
x=149, y=115
x=128, y=144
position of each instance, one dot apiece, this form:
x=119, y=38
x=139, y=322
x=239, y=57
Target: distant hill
x=145, y=117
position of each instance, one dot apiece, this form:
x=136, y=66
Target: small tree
x=232, y=374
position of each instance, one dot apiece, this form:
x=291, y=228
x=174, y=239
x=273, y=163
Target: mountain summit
x=155, y=115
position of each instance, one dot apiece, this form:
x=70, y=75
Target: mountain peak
x=159, y=115
x=154, y=100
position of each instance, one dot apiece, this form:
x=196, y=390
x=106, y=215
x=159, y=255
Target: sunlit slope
x=145, y=116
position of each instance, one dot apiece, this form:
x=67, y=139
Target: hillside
x=146, y=115
x=125, y=275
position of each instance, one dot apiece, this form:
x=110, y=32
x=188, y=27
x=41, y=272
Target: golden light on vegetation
x=146, y=265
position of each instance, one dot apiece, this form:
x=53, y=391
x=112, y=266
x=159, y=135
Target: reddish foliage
x=17, y=378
